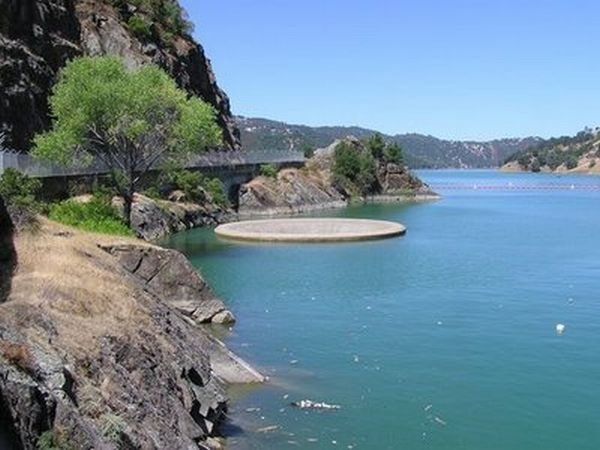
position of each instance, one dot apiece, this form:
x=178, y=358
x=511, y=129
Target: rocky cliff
x=99, y=347
x=314, y=187
x=37, y=37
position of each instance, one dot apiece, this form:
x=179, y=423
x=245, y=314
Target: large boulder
x=292, y=191
x=169, y=274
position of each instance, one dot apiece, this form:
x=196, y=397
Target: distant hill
x=579, y=153
x=420, y=151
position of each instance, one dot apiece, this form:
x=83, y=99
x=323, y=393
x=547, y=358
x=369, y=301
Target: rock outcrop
x=168, y=274
x=37, y=38
x=153, y=219
x=314, y=187
x=94, y=352
x=293, y=191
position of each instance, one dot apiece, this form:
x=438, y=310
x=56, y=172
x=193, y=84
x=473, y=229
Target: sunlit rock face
x=37, y=38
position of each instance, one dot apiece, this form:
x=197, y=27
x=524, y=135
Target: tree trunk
x=127, y=207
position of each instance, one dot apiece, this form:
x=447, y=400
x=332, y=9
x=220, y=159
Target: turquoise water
x=442, y=339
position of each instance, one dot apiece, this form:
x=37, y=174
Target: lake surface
x=443, y=339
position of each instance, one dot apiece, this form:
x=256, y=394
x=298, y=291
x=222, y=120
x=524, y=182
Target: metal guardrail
x=214, y=159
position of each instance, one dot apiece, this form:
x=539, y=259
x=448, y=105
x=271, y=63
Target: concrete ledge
x=310, y=230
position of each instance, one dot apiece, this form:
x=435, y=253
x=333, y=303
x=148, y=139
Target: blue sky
x=460, y=69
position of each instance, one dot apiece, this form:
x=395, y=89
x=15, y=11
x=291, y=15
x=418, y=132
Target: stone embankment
x=100, y=345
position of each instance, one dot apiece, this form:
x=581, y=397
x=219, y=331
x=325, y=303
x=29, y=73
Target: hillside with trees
x=420, y=151
x=579, y=153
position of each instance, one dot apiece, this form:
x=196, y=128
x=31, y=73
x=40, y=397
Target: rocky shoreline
x=102, y=345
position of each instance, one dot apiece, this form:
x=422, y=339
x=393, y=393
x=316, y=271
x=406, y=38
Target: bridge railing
x=214, y=159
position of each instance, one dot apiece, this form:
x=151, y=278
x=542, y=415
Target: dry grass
x=18, y=355
x=62, y=272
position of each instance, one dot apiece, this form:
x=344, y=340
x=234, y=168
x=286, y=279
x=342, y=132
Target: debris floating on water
x=440, y=421
x=560, y=328
x=428, y=407
x=268, y=429
x=309, y=404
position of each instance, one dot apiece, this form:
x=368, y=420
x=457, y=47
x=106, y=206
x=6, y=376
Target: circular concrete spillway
x=310, y=230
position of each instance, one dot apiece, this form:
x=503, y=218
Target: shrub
x=376, y=145
x=354, y=168
x=19, y=189
x=393, y=153
x=187, y=181
x=309, y=151
x=53, y=440
x=140, y=27
x=268, y=170
x=152, y=192
x=216, y=190
x=571, y=162
x=97, y=215
x=112, y=427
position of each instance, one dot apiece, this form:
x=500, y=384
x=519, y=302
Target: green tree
x=393, y=153
x=268, y=170
x=376, y=145
x=130, y=120
x=354, y=168
x=308, y=150
x=19, y=189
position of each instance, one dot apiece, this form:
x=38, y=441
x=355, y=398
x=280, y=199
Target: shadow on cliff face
x=8, y=255
x=8, y=434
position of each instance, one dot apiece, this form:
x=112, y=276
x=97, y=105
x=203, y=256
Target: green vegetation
x=354, y=168
x=555, y=152
x=268, y=170
x=308, y=150
x=165, y=17
x=51, y=440
x=97, y=215
x=194, y=185
x=18, y=189
x=384, y=151
x=393, y=153
x=113, y=427
x=216, y=190
x=140, y=27
x=128, y=120
x=376, y=145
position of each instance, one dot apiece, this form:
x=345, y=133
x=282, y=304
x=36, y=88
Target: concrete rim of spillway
x=306, y=230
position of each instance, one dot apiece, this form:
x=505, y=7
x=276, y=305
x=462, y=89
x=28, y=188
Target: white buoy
x=560, y=328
